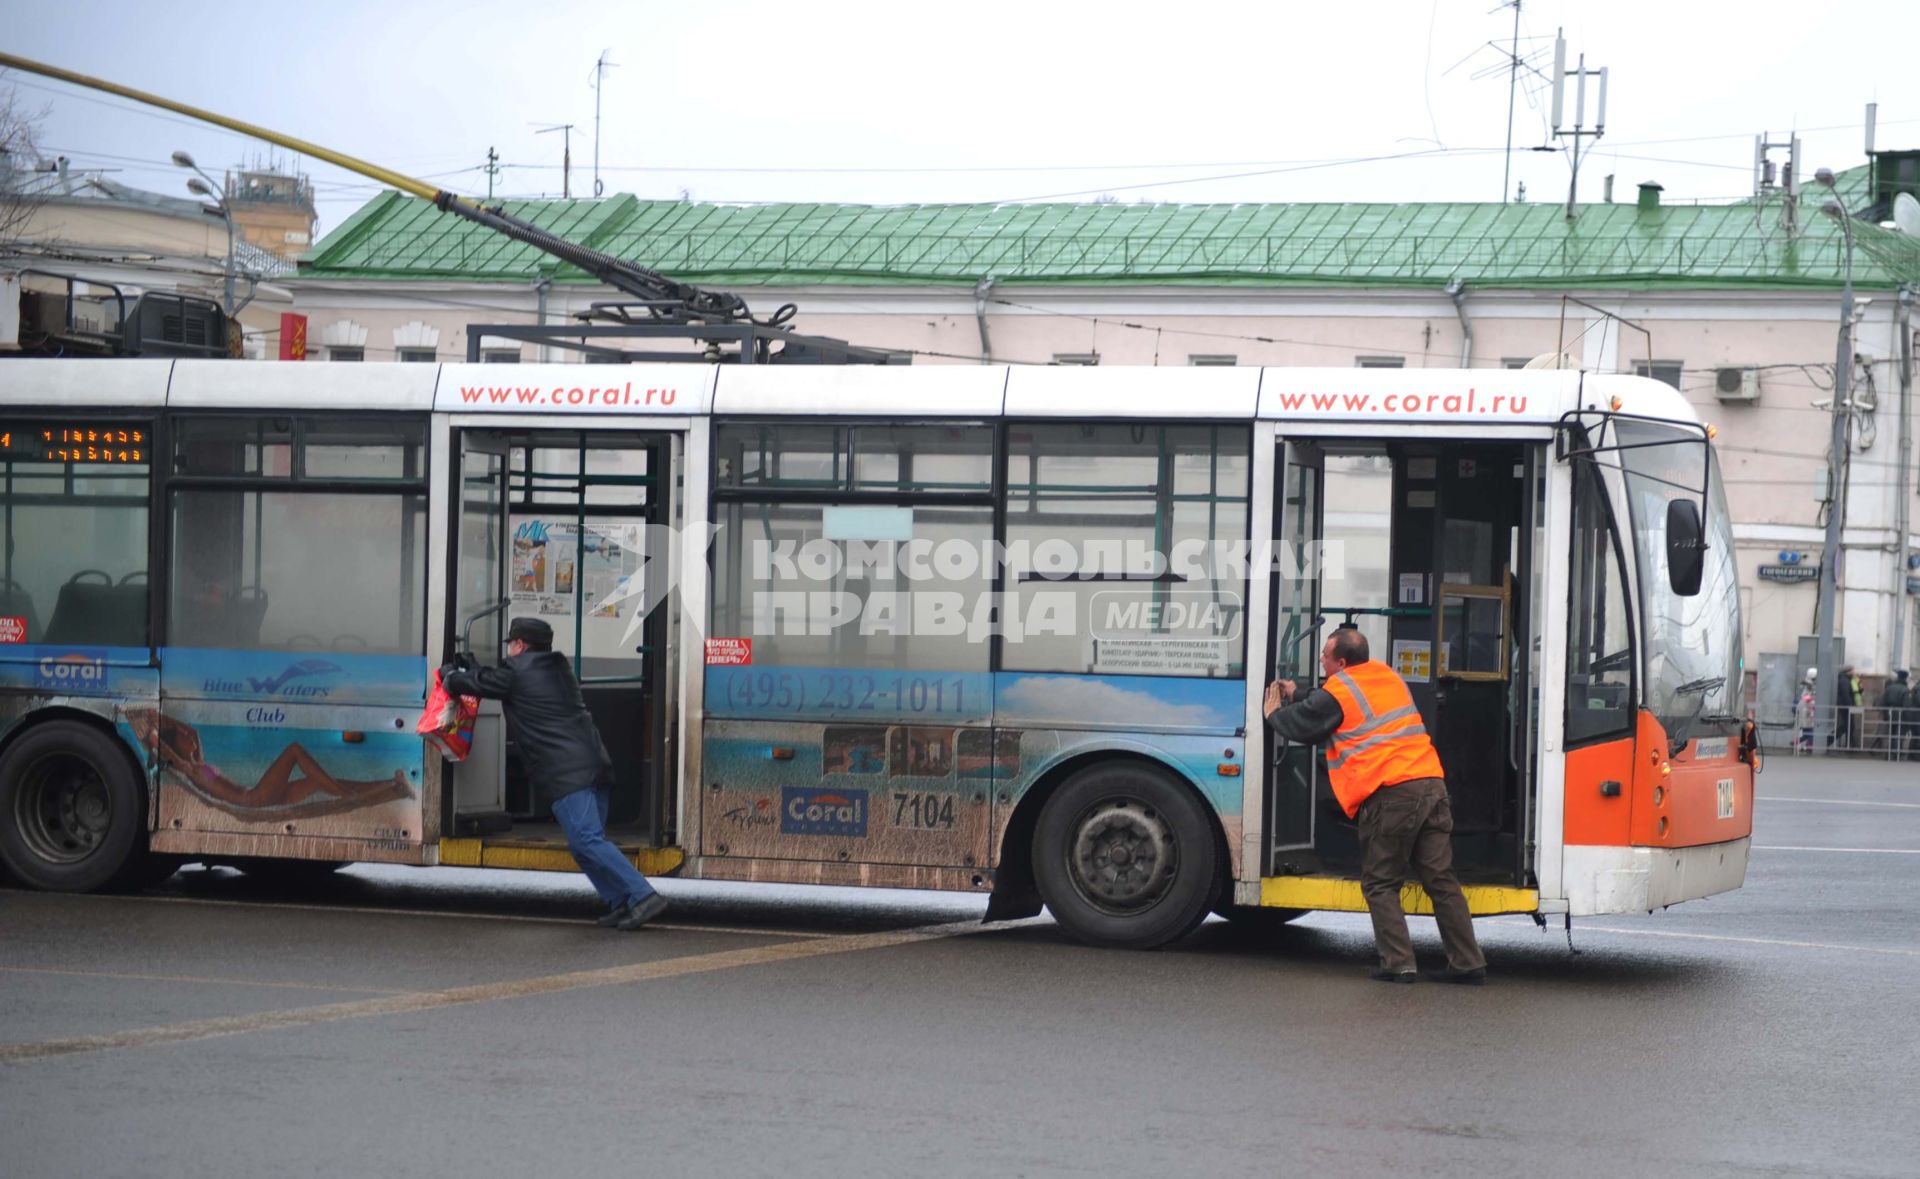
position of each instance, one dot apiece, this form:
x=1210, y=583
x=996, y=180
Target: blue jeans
x=583, y=816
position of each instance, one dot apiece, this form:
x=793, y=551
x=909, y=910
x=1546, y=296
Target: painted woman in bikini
x=278, y=794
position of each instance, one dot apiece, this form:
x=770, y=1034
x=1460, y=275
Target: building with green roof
x=1736, y=304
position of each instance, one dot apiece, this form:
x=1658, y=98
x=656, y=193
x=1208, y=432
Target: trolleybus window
x=297, y=534
x=1599, y=638
x=74, y=498
x=1692, y=643
x=1137, y=527
x=855, y=546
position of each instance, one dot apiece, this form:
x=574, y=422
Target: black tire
x=1125, y=857
x=1258, y=920
x=73, y=814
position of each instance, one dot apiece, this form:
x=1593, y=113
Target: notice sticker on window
x=729, y=652
x=12, y=629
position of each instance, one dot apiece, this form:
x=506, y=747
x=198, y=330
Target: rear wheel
x=72, y=809
x=1124, y=856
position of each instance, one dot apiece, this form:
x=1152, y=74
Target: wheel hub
x=63, y=810
x=1123, y=857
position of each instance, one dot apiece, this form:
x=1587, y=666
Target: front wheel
x=1125, y=857
x=72, y=810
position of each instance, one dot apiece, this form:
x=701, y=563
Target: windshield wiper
x=1706, y=686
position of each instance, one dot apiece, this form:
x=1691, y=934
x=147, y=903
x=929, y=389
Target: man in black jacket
x=564, y=755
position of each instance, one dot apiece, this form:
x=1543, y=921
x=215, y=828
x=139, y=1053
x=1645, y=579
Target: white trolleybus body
x=991, y=629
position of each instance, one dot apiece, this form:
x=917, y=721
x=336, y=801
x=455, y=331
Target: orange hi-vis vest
x=1381, y=740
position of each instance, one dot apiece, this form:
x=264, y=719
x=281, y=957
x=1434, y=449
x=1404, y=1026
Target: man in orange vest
x=1385, y=774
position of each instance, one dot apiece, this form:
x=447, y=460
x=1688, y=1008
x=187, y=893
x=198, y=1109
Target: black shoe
x=1477, y=977
x=613, y=916
x=1394, y=976
x=641, y=912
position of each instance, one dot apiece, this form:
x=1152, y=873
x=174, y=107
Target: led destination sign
x=93, y=442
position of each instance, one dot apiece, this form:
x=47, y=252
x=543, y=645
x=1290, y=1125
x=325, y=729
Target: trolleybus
x=980, y=628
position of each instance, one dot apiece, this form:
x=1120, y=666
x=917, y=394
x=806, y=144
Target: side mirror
x=1686, y=547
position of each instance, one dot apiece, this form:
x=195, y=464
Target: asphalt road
x=424, y=1022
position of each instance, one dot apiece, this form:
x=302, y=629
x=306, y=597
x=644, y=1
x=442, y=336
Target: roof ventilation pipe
x=1457, y=291
x=981, y=290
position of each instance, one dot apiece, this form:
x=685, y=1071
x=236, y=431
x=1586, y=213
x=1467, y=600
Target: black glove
x=465, y=661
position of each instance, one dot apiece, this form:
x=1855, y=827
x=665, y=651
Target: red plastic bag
x=447, y=720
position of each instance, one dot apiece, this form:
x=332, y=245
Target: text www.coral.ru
x=1470, y=402
x=611, y=396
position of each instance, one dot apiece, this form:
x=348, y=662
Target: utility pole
x=1903, y=322
x=566, y=156
x=492, y=169
x=600, y=69
x=1836, y=479
x=1579, y=74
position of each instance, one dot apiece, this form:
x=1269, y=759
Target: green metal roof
x=1248, y=245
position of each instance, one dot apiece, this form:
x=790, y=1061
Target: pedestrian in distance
x=1847, y=702
x=564, y=756
x=1894, y=699
x=1807, y=714
x=1387, y=776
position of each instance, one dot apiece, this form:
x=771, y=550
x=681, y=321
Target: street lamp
x=203, y=185
x=1836, y=506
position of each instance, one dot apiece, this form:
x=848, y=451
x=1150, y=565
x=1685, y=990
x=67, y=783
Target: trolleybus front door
x=1295, y=770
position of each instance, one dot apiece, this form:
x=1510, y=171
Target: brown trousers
x=1410, y=825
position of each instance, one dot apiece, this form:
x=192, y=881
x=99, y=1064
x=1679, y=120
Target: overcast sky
x=893, y=103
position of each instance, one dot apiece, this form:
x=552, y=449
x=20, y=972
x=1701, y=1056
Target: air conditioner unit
x=1737, y=385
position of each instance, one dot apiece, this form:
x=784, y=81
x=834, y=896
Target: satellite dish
x=1906, y=214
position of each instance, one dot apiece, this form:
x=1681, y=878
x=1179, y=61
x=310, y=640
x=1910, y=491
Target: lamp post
x=1836, y=505
x=203, y=185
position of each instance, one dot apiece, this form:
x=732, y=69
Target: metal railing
x=1888, y=734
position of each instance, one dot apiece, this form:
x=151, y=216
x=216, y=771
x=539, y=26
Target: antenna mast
x=1580, y=73
x=600, y=69
x=1513, y=85
x=566, y=156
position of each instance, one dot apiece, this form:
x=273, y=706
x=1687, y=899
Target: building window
x=1381, y=361
x=1515, y=361
x=418, y=355
x=1213, y=360
x=1082, y=359
x=1660, y=370
x=351, y=354
x=500, y=356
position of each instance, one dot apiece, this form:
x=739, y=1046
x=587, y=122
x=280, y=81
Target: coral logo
x=810, y=811
x=76, y=671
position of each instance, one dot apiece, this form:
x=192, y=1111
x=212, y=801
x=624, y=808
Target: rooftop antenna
x=566, y=155
x=600, y=69
x=1513, y=86
x=1767, y=181
x=1580, y=73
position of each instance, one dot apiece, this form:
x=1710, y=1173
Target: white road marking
x=1758, y=941
x=1873, y=851
x=1908, y=806
x=233, y=1025
x=195, y=978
